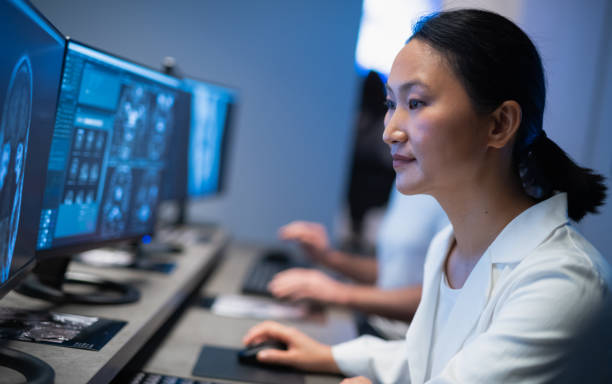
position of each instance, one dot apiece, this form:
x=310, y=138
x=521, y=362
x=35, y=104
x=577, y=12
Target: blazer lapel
x=418, y=338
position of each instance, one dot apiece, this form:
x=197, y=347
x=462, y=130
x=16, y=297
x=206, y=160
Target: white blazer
x=536, y=308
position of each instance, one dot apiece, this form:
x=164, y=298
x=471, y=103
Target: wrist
x=344, y=294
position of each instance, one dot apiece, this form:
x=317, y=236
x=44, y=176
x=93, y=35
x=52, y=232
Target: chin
x=408, y=186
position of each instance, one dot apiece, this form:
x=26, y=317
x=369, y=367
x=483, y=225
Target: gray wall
x=293, y=64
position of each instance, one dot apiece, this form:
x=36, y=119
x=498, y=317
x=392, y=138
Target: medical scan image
x=14, y=132
x=130, y=123
x=162, y=118
x=116, y=201
x=146, y=197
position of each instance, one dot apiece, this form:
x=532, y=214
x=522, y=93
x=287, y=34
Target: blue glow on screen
x=209, y=114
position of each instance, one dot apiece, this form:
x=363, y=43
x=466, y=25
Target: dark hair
x=496, y=61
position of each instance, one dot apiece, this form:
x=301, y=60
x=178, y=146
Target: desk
x=161, y=297
x=178, y=353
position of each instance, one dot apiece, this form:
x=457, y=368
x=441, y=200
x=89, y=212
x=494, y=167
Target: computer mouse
x=248, y=355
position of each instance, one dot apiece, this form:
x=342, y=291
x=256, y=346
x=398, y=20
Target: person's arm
x=363, y=270
x=299, y=284
x=302, y=352
x=312, y=238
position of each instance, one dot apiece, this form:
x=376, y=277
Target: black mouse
x=248, y=355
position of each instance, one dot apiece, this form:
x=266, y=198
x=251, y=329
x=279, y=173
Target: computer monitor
x=199, y=165
x=211, y=107
x=107, y=156
x=30, y=70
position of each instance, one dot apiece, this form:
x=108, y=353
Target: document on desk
x=257, y=308
x=61, y=329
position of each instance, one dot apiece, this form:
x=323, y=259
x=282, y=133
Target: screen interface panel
x=210, y=105
x=30, y=71
x=108, y=150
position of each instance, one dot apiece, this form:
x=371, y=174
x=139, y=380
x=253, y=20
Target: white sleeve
x=379, y=360
x=552, y=327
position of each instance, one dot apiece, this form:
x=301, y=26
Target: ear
x=506, y=120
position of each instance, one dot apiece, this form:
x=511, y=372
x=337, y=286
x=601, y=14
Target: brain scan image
x=14, y=133
x=90, y=197
x=162, y=120
x=146, y=198
x=116, y=201
x=131, y=120
x=78, y=140
x=89, y=140
x=69, y=198
x=84, y=173
x=100, y=142
x=79, y=197
x=93, y=173
x=204, y=138
x=74, y=169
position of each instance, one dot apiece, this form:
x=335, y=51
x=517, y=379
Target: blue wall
x=292, y=62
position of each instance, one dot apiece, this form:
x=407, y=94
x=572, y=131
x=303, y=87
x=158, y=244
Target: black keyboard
x=261, y=273
x=153, y=378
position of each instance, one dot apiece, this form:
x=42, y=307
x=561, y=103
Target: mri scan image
x=146, y=198
x=14, y=133
x=162, y=119
x=130, y=122
x=204, y=138
x=116, y=201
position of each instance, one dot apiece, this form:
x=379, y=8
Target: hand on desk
x=356, y=380
x=299, y=283
x=302, y=352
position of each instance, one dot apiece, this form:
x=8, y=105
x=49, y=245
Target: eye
x=415, y=103
x=390, y=104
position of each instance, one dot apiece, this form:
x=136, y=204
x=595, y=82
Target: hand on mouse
x=300, y=283
x=302, y=351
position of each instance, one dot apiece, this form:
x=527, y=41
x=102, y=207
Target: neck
x=480, y=211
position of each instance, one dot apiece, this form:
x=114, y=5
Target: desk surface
x=161, y=295
x=179, y=352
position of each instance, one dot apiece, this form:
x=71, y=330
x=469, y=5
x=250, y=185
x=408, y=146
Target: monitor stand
x=50, y=279
x=35, y=370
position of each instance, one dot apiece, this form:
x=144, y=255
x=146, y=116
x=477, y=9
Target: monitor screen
x=30, y=71
x=210, y=116
x=108, y=150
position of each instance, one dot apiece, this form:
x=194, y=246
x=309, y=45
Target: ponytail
x=545, y=168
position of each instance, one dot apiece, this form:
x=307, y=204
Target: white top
x=446, y=302
x=536, y=308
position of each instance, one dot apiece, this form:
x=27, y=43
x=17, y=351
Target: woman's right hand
x=312, y=237
x=302, y=351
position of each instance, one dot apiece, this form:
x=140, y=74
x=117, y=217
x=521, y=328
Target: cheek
x=444, y=146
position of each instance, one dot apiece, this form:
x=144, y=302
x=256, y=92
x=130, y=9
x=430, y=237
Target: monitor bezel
x=71, y=249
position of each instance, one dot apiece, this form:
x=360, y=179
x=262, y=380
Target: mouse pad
x=222, y=363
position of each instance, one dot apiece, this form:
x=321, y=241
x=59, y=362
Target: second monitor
x=108, y=153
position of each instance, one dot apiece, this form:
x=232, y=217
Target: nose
x=393, y=134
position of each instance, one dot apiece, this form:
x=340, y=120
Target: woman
x=512, y=293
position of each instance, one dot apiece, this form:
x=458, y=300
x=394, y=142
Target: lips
x=399, y=160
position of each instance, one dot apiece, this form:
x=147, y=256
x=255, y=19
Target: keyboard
x=153, y=378
x=262, y=271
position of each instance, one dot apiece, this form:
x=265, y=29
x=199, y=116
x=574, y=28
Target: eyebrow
x=406, y=86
